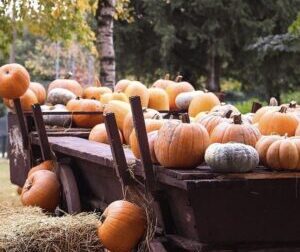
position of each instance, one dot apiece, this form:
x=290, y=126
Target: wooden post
x=22, y=123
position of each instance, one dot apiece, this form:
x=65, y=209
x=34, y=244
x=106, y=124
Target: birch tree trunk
x=105, y=44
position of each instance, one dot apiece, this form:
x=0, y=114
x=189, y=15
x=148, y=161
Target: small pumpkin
x=136, y=88
x=123, y=225
x=203, y=102
x=263, y=145
x=122, y=85
x=273, y=106
x=27, y=100
x=56, y=120
x=41, y=189
x=86, y=105
x=120, y=109
x=163, y=83
x=175, y=89
x=71, y=85
x=231, y=157
x=181, y=145
x=158, y=99
x=183, y=100
x=120, y=96
x=95, y=92
x=278, y=122
x=39, y=91
x=235, y=131
x=128, y=121
x=14, y=81
x=60, y=96
x=48, y=165
x=224, y=108
x=99, y=134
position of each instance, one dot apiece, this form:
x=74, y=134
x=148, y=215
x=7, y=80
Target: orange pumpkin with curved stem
x=99, y=134
x=278, y=122
x=39, y=91
x=235, y=131
x=71, y=85
x=163, y=83
x=14, y=81
x=273, y=105
x=203, y=102
x=123, y=225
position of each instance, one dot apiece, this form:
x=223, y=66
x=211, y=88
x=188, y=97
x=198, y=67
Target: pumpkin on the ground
x=60, y=96
x=278, y=122
x=71, y=85
x=120, y=96
x=123, y=225
x=184, y=99
x=49, y=165
x=235, y=131
x=41, y=189
x=99, y=134
x=158, y=99
x=163, y=83
x=56, y=120
x=203, y=102
x=14, y=81
x=86, y=105
x=181, y=145
x=273, y=105
x=39, y=91
x=231, y=157
x=136, y=88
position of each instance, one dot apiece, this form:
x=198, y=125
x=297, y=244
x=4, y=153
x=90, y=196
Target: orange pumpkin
x=128, y=122
x=163, y=83
x=151, y=125
x=41, y=189
x=278, y=122
x=95, y=92
x=181, y=145
x=120, y=96
x=122, y=85
x=235, y=131
x=297, y=133
x=158, y=99
x=123, y=225
x=27, y=100
x=99, y=134
x=177, y=88
x=136, y=88
x=86, y=105
x=273, y=106
x=14, y=81
x=203, y=102
x=71, y=85
x=49, y=165
x=39, y=91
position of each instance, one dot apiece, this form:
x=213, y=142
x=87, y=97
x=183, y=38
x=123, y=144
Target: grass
x=8, y=192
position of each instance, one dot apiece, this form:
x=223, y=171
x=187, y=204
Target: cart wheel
x=70, y=194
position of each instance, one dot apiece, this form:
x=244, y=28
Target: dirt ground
x=8, y=192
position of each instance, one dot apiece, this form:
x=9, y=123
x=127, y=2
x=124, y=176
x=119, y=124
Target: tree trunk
x=105, y=43
x=213, y=77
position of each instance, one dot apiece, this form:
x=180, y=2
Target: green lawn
x=8, y=192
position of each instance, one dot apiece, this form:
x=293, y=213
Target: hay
x=24, y=229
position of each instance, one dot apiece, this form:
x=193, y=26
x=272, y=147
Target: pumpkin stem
x=77, y=98
x=185, y=118
x=178, y=78
x=28, y=186
x=167, y=76
x=283, y=109
x=273, y=101
x=68, y=75
x=293, y=104
x=102, y=218
x=156, y=117
x=237, y=119
x=228, y=113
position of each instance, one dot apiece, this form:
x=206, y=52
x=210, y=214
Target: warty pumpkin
x=235, y=131
x=56, y=120
x=136, y=88
x=39, y=91
x=123, y=225
x=60, y=96
x=278, y=122
x=273, y=106
x=231, y=157
x=203, y=102
x=14, y=81
x=41, y=189
x=86, y=105
x=158, y=99
x=99, y=134
x=71, y=85
x=181, y=145
x=120, y=96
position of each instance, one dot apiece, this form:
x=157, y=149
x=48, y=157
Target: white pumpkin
x=223, y=108
x=231, y=157
x=56, y=120
x=60, y=96
x=183, y=100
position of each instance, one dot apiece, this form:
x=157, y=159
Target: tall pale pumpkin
x=136, y=88
x=203, y=102
x=158, y=99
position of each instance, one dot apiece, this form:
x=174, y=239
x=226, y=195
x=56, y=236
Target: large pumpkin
x=39, y=91
x=120, y=96
x=123, y=225
x=128, y=122
x=235, y=131
x=120, y=109
x=136, y=88
x=95, y=92
x=71, y=85
x=99, y=134
x=86, y=105
x=158, y=99
x=151, y=125
x=203, y=102
x=175, y=89
x=14, y=81
x=181, y=145
x=273, y=106
x=183, y=100
x=60, y=96
x=278, y=122
x=49, y=165
x=163, y=83
x=41, y=189
x=263, y=145
x=27, y=100
x=122, y=85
